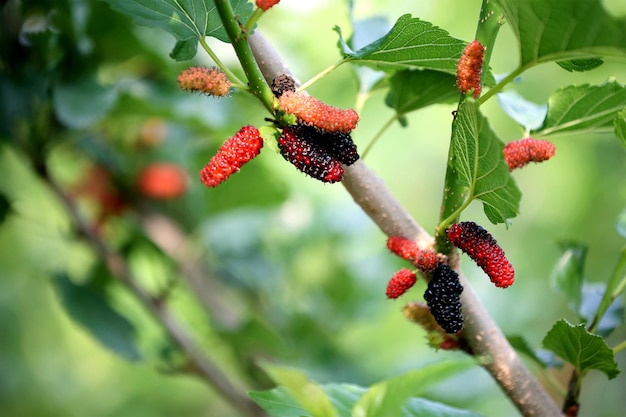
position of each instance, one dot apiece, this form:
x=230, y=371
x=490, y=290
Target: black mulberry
x=443, y=297
x=337, y=144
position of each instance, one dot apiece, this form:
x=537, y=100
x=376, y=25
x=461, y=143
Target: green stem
x=322, y=74
x=378, y=134
x=498, y=87
x=239, y=40
x=256, y=15
x=234, y=80
x=619, y=347
x=614, y=288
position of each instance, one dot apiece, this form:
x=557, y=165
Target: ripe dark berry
x=308, y=158
x=314, y=112
x=337, y=144
x=522, y=152
x=479, y=245
x=443, y=297
x=232, y=155
x=283, y=83
x=400, y=283
x=205, y=80
x=469, y=68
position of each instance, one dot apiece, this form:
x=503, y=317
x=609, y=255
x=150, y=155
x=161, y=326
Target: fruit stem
x=234, y=80
x=322, y=74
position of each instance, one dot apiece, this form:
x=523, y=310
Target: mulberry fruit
x=314, y=112
x=443, y=297
x=522, y=152
x=162, y=181
x=283, y=83
x=266, y=4
x=425, y=260
x=337, y=144
x=479, y=245
x=400, y=283
x=404, y=248
x=469, y=68
x=205, y=80
x=308, y=158
x=232, y=155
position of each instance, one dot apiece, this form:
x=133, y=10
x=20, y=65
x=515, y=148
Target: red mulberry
x=308, y=158
x=205, y=80
x=404, y=248
x=522, y=152
x=232, y=155
x=469, y=68
x=443, y=297
x=484, y=250
x=400, y=283
x=337, y=144
x=314, y=112
x=266, y=4
x=425, y=260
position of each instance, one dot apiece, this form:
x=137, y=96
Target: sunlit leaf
x=526, y=113
x=414, y=89
x=568, y=274
x=478, y=158
x=583, y=107
x=90, y=307
x=585, y=351
x=563, y=30
x=387, y=398
x=411, y=43
x=580, y=65
x=184, y=19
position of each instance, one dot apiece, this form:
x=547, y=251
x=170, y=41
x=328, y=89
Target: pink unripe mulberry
x=232, y=155
x=266, y=4
x=308, y=158
x=524, y=151
x=400, y=283
x=469, y=68
x=205, y=80
x=479, y=245
x=316, y=113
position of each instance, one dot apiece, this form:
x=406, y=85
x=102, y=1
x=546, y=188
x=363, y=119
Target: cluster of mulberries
x=205, y=80
x=320, y=142
x=266, y=4
x=443, y=297
x=524, y=151
x=424, y=259
x=232, y=155
x=479, y=245
x=469, y=68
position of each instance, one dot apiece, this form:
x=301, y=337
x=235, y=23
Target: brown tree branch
x=200, y=362
x=480, y=331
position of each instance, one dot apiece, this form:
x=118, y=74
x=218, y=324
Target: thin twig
x=118, y=267
x=481, y=332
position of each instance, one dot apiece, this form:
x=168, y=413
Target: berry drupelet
x=443, y=297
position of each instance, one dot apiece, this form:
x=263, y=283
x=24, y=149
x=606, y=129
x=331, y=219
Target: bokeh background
x=300, y=270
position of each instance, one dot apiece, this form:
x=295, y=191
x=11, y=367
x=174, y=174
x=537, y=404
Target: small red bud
x=205, y=80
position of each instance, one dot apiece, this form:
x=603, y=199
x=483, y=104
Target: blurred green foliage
x=298, y=270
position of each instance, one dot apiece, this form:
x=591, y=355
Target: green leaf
x=278, y=402
x=363, y=32
x=580, y=65
x=386, y=398
x=80, y=103
x=526, y=113
x=568, y=274
x=89, y=307
x=585, y=351
x=583, y=107
x=563, y=30
x=592, y=297
x=542, y=358
x=186, y=20
x=479, y=161
x=412, y=43
x=414, y=89
x=619, y=123
x=184, y=50
x=308, y=394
